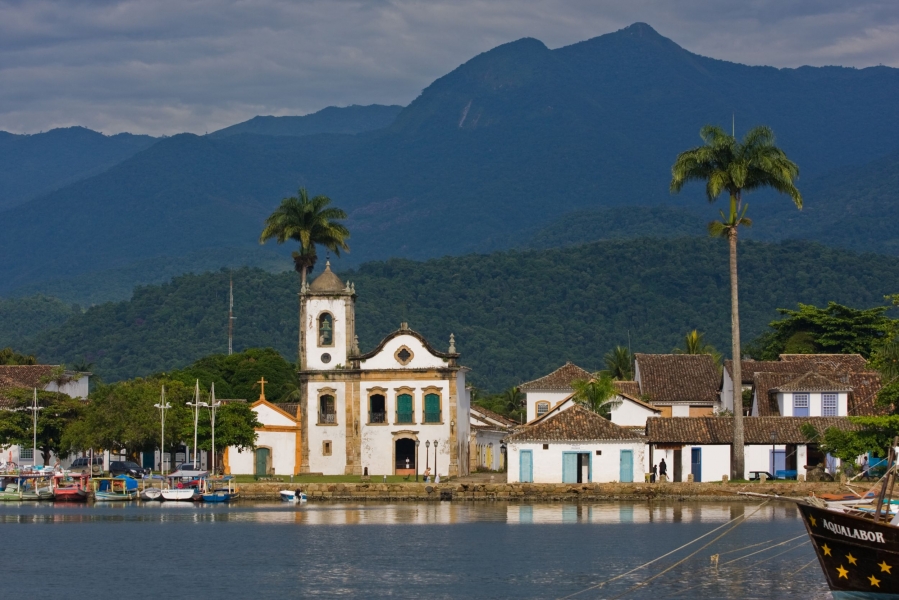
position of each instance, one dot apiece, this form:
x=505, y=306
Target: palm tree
x=513, y=399
x=620, y=364
x=597, y=393
x=735, y=167
x=694, y=343
x=311, y=223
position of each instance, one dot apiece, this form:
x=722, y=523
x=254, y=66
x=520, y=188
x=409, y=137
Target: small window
x=327, y=412
x=599, y=453
x=800, y=405
x=432, y=408
x=542, y=408
x=546, y=446
x=829, y=405
x=326, y=330
x=326, y=448
x=403, y=356
x=26, y=453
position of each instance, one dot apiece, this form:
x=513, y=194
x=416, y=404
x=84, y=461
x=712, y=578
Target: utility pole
x=230, y=316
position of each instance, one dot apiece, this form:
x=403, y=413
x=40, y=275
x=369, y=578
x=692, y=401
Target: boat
x=221, y=489
x=114, y=489
x=151, y=493
x=293, y=497
x=74, y=487
x=23, y=487
x=185, y=486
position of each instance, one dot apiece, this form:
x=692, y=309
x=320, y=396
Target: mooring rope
x=764, y=549
x=646, y=564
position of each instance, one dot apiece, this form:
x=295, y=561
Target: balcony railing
x=405, y=417
x=327, y=418
x=432, y=416
x=377, y=417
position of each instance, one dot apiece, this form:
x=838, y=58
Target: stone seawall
x=533, y=492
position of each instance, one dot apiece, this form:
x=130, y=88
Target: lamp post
x=34, y=408
x=416, y=460
x=773, y=454
x=427, y=457
x=162, y=406
x=211, y=405
x=435, y=458
x=196, y=406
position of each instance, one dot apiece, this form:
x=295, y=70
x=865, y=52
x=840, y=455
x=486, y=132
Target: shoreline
x=535, y=492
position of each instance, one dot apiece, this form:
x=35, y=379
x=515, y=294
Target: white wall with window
x=813, y=404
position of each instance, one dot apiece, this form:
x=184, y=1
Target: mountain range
x=517, y=141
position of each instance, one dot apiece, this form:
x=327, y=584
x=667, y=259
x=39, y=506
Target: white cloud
x=167, y=66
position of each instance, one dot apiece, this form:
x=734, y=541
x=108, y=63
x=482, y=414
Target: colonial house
x=680, y=385
x=50, y=378
x=397, y=409
x=544, y=393
x=625, y=410
x=701, y=447
x=488, y=429
x=575, y=445
x=278, y=443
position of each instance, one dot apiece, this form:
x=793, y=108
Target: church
x=399, y=409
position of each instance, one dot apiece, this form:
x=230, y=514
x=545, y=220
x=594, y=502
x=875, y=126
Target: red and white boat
x=72, y=487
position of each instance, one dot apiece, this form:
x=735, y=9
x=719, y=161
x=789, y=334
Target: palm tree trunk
x=737, y=459
x=300, y=313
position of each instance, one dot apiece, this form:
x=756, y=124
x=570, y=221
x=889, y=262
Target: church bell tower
x=327, y=323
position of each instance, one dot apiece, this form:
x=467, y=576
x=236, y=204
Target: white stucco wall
x=631, y=414
x=335, y=464
x=785, y=403
x=533, y=397
x=489, y=457
x=547, y=464
x=283, y=444
x=716, y=460
x=314, y=351
x=680, y=410
x=421, y=357
x=76, y=388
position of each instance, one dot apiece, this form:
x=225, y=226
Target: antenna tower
x=230, y=315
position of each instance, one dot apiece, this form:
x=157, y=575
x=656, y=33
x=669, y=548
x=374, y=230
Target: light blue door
x=777, y=460
x=569, y=467
x=696, y=464
x=627, y=466
x=526, y=467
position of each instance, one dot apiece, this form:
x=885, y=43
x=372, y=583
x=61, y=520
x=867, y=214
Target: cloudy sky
x=166, y=66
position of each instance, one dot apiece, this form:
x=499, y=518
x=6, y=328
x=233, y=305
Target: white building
x=487, y=432
x=401, y=408
x=278, y=444
x=575, y=445
x=680, y=385
x=546, y=392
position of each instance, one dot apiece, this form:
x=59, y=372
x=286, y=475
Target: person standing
x=663, y=469
x=655, y=472
x=865, y=466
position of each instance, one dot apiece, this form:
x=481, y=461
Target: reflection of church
x=401, y=407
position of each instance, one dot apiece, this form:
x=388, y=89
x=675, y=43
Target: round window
x=326, y=358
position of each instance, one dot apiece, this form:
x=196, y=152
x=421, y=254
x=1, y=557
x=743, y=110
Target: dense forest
x=515, y=314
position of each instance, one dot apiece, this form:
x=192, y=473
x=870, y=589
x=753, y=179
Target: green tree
x=235, y=425
x=694, y=343
x=597, y=393
x=311, y=222
x=727, y=165
x=620, y=364
x=8, y=356
x=875, y=434
x=56, y=414
x=237, y=375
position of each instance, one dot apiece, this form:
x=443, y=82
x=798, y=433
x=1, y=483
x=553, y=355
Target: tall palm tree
x=735, y=167
x=620, y=363
x=597, y=393
x=311, y=222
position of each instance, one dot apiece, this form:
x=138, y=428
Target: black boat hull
x=860, y=558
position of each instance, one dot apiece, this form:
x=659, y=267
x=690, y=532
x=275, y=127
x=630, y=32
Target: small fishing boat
x=74, y=487
x=26, y=488
x=221, y=489
x=293, y=497
x=151, y=493
x=114, y=489
x=185, y=486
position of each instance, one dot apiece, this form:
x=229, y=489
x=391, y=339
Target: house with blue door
x=575, y=445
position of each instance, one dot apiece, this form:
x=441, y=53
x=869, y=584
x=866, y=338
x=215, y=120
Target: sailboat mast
x=230, y=316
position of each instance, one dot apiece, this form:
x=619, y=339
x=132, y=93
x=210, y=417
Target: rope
x=744, y=548
x=646, y=564
x=763, y=550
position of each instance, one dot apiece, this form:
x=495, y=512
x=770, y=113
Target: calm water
x=400, y=551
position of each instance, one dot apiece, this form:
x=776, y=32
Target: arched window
x=327, y=410
x=326, y=330
x=377, y=406
x=404, y=411
x=542, y=408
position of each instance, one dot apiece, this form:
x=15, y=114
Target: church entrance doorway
x=405, y=457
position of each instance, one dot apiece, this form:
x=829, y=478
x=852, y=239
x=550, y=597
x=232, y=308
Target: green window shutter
x=432, y=408
x=404, y=403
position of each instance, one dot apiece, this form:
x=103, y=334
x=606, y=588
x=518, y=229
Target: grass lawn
x=329, y=479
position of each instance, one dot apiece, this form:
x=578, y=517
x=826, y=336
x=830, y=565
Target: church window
x=404, y=413
x=327, y=411
x=432, y=408
x=377, y=408
x=326, y=358
x=542, y=408
x=403, y=356
x=326, y=330
x=326, y=448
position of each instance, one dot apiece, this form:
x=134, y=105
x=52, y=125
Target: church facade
x=399, y=409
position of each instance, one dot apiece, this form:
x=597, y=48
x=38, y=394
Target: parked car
x=127, y=467
x=82, y=465
x=189, y=467
x=756, y=475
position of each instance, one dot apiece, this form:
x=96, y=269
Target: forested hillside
x=510, y=141
x=349, y=119
x=515, y=314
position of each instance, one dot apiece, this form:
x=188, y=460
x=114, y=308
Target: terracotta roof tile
x=494, y=416
x=678, y=377
x=631, y=388
x=830, y=363
x=560, y=379
x=764, y=384
x=813, y=382
x=826, y=364
x=719, y=430
x=24, y=376
x=575, y=424
x=290, y=408
x=862, y=400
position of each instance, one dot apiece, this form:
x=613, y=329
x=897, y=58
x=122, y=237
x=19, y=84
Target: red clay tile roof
x=831, y=363
x=719, y=430
x=631, y=388
x=862, y=400
x=291, y=408
x=24, y=376
x=764, y=384
x=560, y=379
x=640, y=402
x=575, y=424
x=750, y=367
x=494, y=416
x=813, y=382
x=826, y=364
x=678, y=377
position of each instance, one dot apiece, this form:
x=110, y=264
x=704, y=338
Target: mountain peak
x=639, y=29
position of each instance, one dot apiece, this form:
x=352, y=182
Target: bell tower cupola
x=328, y=318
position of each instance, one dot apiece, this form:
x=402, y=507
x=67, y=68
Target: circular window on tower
x=326, y=358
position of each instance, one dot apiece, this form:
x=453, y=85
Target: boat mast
x=230, y=315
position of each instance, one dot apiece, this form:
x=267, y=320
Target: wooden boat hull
x=115, y=496
x=179, y=495
x=26, y=496
x=151, y=495
x=70, y=495
x=292, y=497
x=860, y=558
x=219, y=496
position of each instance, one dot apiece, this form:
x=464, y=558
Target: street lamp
x=417, y=442
x=196, y=406
x=427, y=457
x=211, y=405
x=162, y=406
x=435, y=458
x=34, y=408
x=773, y=454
